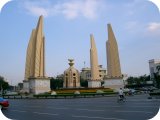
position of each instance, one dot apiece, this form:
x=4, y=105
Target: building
x=71, y=76
x=86, y=73
x=35, y=80
x=153, y=67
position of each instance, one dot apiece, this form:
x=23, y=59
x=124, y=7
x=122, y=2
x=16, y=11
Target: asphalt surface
x=136, y=107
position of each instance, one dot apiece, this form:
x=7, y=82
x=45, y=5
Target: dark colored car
x=3, y=103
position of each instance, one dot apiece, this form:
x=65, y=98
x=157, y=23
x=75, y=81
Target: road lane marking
x=142, y=100
x=145, y=103
x=18, y=110
x=33, y=106
x=89, y=110
x=134, y=111
x=58, y=108
x=145, y=106
x=14, y=105
x=44, y=113
x=97, y=117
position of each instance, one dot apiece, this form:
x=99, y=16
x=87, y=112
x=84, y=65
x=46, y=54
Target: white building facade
x=153, y=63
x=86, y=73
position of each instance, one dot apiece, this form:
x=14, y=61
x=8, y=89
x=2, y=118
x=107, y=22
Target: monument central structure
x=114, y=78
x=71, y=76
x=35, y=79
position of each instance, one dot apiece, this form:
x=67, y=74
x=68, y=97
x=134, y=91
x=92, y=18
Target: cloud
x=35, y=8
x=153, y=27
x=137, y=28
x=72, y=9
x=37, y=11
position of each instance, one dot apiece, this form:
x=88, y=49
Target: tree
x=157, y=77
x=56, y=83
x=3, y=84
x=84, y=83
x=140, y=81
x=158, y=68
x=130, y=80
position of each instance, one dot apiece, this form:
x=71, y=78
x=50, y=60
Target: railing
x=14, y=97
x=60, y=96
x=82, y=95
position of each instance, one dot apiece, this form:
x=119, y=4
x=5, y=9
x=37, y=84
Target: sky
x=67, y=28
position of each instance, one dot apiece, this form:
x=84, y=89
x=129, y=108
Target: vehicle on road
x=3, y=103
x=121, y=95
x=121, y=99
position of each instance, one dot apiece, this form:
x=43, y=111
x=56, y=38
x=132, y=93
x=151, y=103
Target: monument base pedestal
x=94, y=83
x=115, y=83
x=37, y=85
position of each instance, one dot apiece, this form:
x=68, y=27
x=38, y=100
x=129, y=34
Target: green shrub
x=155, y=93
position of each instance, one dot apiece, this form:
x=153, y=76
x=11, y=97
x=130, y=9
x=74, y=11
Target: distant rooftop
x=154, y=61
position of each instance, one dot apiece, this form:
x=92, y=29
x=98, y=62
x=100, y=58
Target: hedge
x=86, y=90
x=155, y=93
x=73, y=95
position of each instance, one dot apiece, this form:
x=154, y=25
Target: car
x=4, y=103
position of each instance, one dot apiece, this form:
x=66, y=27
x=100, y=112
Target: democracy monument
x=114, y=78
x=36, y=81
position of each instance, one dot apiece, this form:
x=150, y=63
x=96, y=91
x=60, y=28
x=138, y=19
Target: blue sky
x=67, y=28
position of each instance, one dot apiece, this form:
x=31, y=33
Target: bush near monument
x=83, y=90
x=156, y=92
x=56, y=83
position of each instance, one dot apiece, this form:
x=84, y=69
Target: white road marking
x=113, y=106
x=129, y=106
x=32, y=106
x=144, y=103
x=44, y=113
x=58, y=108
x=135, y=111
x=144, y=106
x=18, y=111
x=89, y=110
x=97, y=117
x=141, y=100
x=15, y=105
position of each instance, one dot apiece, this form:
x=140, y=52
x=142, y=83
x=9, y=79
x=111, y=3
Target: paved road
x=103, y=108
